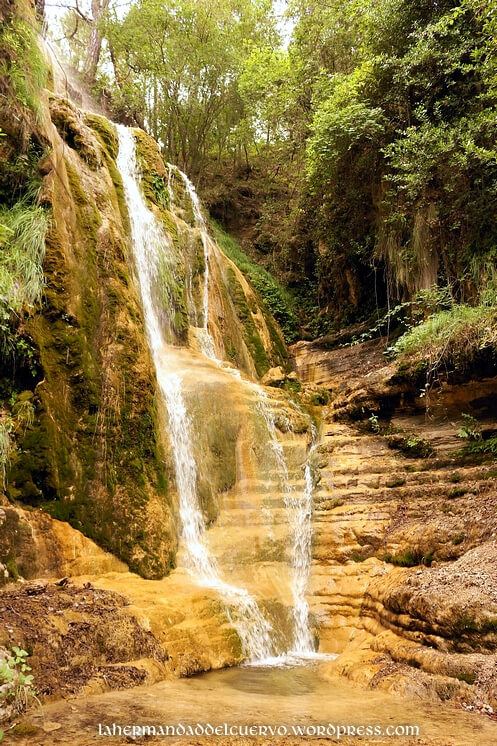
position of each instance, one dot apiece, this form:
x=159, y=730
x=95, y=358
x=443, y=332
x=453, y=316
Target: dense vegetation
x=356, y=162
x=23, y=220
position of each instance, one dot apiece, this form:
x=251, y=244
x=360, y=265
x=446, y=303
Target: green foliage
x=486, y=447
x=401, y=154
x=412, y=445
x=6, y=427
x=278, y=301
x=469, y=678
x=177, y=65
x=16, y=683
x=396, y=482
x=336, y=131
x=471, y=429
x=160, y=190
x=374, y=423
x=250, y=333
x=367, y=144
x=409, y=558
x=21, y=274
x=451, y=339
x=22, y=62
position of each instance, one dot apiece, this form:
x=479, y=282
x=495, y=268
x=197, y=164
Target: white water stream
x=150, y=244
x=206, y=340
x=299, y=511
x=299, y=507
x=149, y=241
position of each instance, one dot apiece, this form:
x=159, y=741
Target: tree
x=179, y=62
x=82, y=29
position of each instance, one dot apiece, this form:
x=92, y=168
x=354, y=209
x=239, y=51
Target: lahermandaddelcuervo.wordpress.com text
x=238, y=729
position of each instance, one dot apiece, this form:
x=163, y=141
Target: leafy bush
x=470, y=429
x=450, y=340
x=411, y=445
x=16, y=683
x=486, y=447
x=22, y=251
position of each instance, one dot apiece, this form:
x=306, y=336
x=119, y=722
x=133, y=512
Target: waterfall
x=206, y=341
x=150, y=244
x=299, y=511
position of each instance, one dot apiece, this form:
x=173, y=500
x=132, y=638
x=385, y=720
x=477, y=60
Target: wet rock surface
x=404, y=531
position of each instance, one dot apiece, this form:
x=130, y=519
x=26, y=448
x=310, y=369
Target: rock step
x=258, y=501
x=260, y=516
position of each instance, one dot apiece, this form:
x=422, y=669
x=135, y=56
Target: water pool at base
x=294, y=697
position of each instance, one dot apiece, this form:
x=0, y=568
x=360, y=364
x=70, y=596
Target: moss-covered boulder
x=91, y=455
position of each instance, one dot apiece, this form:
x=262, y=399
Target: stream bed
x=288, y=698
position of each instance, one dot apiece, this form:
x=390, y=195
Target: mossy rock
x=71, y=127
x=250, y=333
x=105, y=132
x=153, y=171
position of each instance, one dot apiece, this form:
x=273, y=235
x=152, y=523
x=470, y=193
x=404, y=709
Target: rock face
x=91, y=482
x=96, y=454
x=34, y=545
x=404, y=530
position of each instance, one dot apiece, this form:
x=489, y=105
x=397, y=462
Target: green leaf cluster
x=16, y=681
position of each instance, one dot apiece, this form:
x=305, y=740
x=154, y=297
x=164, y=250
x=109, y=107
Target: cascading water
x=299, y=507
x=207, y=342
x=149, y=245
x=299, y=510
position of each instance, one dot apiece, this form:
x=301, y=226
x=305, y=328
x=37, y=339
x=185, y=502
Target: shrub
x=483, y=447
x=452, y=339
x=16, y=683
x=22, y=251
x=414, y=446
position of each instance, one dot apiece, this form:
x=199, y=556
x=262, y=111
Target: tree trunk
x=98, y=7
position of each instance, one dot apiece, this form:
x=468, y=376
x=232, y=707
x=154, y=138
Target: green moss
x=396, y=482
x=277, y=300
x=153, y=172
x=105, y=132
x=87, y=212
x=101, y=440
x=11, y=566
x=172, y=289
x=250, y=334
x=464, y=624
x=457, y=492
x=229, y=347
x=24, y=729
x=320, y=398
x=75, y=134
x=409, y=558
x=469, y=678
x=119, y=188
